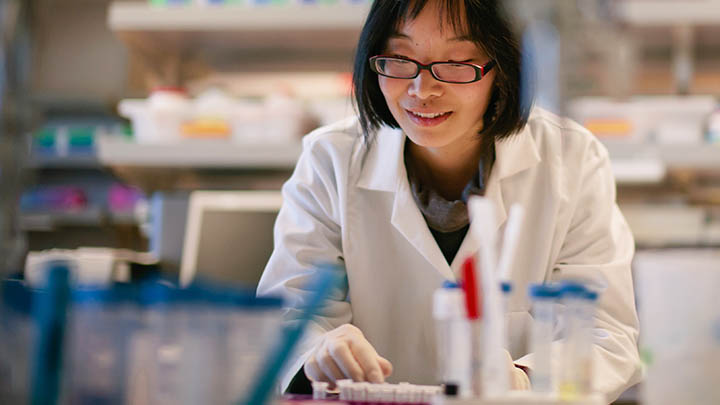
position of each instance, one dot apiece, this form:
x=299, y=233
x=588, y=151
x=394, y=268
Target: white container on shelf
x=211, y=115
x=159, y=118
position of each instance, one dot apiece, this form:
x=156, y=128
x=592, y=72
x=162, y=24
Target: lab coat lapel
x=383, y=169
x=408, y=220
x=512, y=156
x=470, y=244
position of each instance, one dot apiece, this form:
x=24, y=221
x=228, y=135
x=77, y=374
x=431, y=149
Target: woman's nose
x=425, y=86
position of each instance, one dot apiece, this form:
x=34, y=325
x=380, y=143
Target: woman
x=436, y=85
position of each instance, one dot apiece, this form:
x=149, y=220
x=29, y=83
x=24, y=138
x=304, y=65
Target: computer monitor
x=229, y=235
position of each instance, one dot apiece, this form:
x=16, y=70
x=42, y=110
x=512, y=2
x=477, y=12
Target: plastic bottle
x=167, y=108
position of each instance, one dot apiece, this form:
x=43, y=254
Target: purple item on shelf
x=59, y=198
x=122, y=198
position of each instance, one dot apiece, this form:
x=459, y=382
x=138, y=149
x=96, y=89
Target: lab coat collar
x=384, y=165
x=384, y=170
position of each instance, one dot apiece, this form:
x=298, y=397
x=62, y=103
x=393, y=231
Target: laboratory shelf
x=70, y=162
x=333, y=26
x=49, y=220
x=219, y=154
x=691, y=156
x=648, y=163
x=664, y=12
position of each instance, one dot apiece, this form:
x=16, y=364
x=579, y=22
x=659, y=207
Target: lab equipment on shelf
x=169, y=116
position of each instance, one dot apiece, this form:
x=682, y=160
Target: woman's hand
x=345, y=353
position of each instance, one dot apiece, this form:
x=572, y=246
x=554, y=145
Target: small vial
x=543, y=297
x=319, y=389
x=586, y=313
x=577, y=344
x=402, y=394
x=359, y=391
x=387, y=393
x=345, y=388
x=429, y=393
x=454, y=345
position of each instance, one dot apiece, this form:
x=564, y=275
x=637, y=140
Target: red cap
x=472, y=289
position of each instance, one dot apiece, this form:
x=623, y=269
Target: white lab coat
x=349, y=200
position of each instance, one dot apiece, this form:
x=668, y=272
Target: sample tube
x=543, y=297
x=576, y=362
x=453, y=337
x=586, y=314
x=319, y=389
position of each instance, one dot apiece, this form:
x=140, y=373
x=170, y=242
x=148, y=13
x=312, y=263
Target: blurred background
x=133, y=105
x=145, y=137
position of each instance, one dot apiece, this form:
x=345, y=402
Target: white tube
x=453, y=338
x=543, y=299
x=510, y=241
x=496, y=376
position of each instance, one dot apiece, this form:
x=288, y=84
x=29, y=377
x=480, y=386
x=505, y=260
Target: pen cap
x=543, y=291
x=572, y=289
x=590, y=296
x=449, y=302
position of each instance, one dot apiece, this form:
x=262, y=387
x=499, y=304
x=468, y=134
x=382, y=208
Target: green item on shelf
x=81, y=137
x=127, y=131
x=45, y=138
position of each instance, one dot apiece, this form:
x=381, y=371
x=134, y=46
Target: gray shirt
x=448, y=220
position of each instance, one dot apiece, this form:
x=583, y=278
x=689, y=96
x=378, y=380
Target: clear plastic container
x=100, y=325
x=544, y=298
x=576, y=363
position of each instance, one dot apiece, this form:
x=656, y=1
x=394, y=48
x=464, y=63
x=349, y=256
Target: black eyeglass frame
x=480, y=70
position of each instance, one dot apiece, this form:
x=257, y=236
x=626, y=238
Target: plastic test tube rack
x=366, y=393
x=360, y=393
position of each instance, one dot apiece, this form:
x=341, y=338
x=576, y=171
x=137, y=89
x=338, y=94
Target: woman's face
x=461, y=106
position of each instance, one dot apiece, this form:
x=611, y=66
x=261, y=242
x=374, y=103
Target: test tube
x=359, y=391
x=575, y=361
x=586, y=313
x=453, y=337
x=319, y=389
x=402, y=393
x=345, y=388
x=543, y=297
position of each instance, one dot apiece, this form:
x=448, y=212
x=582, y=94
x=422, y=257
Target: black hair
x=486, y=25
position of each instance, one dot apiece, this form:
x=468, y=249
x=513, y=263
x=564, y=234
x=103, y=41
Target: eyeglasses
x=448, y=72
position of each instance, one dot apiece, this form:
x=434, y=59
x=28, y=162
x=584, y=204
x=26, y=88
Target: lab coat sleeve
x=598, y=249
x=307, y=232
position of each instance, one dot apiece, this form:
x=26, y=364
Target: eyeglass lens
x=399, y=68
